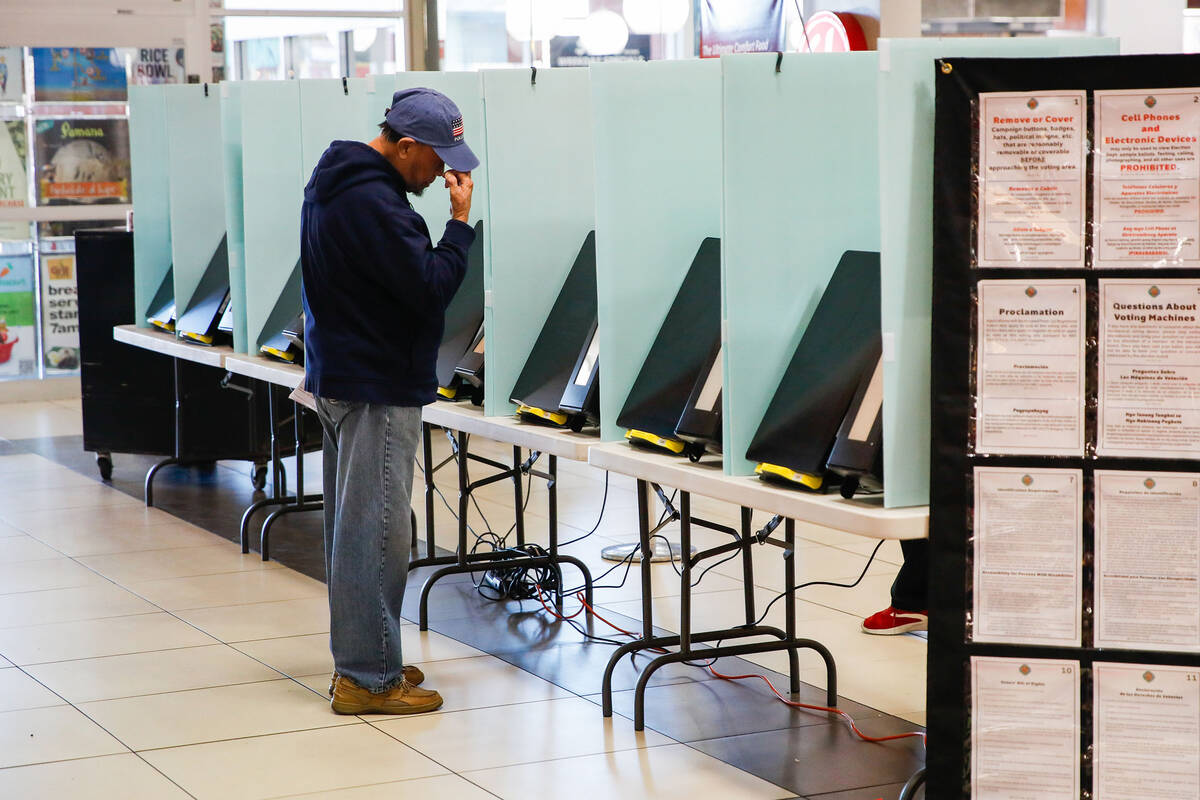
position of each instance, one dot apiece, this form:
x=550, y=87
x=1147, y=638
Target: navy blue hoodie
x=375, y=287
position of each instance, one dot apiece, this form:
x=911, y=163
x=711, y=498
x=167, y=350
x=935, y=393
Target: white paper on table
x=1146, y=732
x=1028, y=556
x=1148, y=560
x=1149, y=372
x=1032, y=163
x=1030, y=371
x=1024, y=729
x=1146, y=209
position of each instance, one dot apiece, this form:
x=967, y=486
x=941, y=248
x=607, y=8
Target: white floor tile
x=485, y=681
x=119, y=777
x=38, y=420
x=229, y=588
x=301, y=656
x=289, y=763
x=49, y=525
x=24, y=462
x=442, y=787
x=96, y=495
x=109, y=636
x=111, y=677
x=657, y=773
x=48, y=573
x=77, y=539
x=149, y=565
x=58, y=478
x=18, y=691
x=36, y=735
x=262, y=620
x=22, y=547
x=65, y=605
x=207, y=715
x=484, y=738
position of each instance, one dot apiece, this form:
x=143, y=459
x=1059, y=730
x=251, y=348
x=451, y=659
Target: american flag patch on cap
x=456, y=129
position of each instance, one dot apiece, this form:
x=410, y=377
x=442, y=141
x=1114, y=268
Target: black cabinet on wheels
x=137, y=401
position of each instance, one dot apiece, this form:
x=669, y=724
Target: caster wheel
x=577, y=423
x=105, y=465
x=258, y=476
x=694, y=457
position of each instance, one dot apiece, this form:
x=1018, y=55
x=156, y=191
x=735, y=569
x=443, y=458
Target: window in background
x=479, y=34
x=273, y=47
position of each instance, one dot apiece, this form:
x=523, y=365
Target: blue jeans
x=368, y=456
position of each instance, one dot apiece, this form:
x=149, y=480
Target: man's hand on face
x=461, y=187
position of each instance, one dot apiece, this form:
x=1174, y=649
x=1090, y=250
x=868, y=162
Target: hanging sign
x=748, y=26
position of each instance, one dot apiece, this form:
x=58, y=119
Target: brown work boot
x=411, y=674
x=403, y=698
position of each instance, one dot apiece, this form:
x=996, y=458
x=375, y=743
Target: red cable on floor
x=792, y=703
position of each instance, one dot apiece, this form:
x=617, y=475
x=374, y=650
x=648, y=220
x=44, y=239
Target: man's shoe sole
x=363, y=708
x=912, y=626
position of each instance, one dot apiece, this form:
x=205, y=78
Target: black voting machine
x=559, y=384
x=824, y=420
x=676, y=370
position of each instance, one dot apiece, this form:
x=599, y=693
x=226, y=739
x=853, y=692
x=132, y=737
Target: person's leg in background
x=910, y=593
x=368, y=535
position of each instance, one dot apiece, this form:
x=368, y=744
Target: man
x=375, y=295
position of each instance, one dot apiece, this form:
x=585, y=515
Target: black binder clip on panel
x=700, y=423
x=161, y=313
x=464, y=320
x=561, y=349
x=839, y=348
x=677, y=358
x=198, y=324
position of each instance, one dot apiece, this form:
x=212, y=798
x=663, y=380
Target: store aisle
x=144, y=656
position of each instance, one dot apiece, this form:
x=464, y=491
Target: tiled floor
x=142, y=655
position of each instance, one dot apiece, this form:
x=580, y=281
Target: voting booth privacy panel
x=801, y=187
x=541, y=207
x=658, y=196
x=151, y=187
x=906, y=164
x=195, y=157
x=1065, y=516
x=231, y=136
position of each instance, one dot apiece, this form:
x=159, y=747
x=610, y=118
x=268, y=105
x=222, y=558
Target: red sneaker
x=892, y=621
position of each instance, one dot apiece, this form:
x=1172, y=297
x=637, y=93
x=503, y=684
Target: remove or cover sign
x=1028, y=556
x=1024, y=729
x=1031, y=179
x=1148, y=560
x=1030, y=372
x=1149, y=393
x=1146, y=731
x=1147, y=166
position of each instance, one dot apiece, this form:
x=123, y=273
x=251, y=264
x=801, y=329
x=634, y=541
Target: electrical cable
x=857, y=581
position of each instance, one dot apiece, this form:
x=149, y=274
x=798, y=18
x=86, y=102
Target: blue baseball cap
x=431, y=118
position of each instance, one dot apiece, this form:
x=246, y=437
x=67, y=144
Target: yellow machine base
x=642, y=437
x=169, y=327
x=802, y=478
x=447, y=393
x=285, y=355
x=549, y=416
x=197, y=337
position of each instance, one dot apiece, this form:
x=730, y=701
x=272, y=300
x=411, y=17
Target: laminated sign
x=82, y=161
x=16, y=317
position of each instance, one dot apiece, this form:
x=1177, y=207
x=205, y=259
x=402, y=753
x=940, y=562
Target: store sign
x=12, y=75
x=77, y=74
x=60, y=308
x=566, y=51
x=17, y=346
x=833, y=32
x=746, y=26
x=82, y=161
x=13, y=182
x=158, y=65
